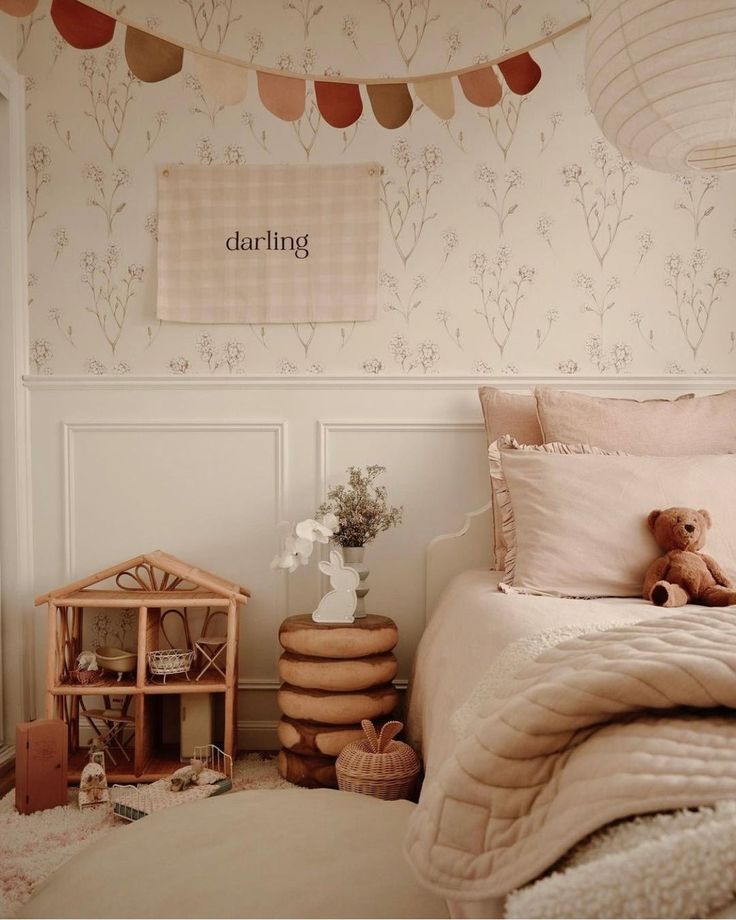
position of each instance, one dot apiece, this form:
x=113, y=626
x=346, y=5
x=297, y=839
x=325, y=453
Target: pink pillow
x=514, y=414
x=576, y=525
x=657, y=427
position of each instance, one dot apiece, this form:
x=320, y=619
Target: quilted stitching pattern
x=601, y=727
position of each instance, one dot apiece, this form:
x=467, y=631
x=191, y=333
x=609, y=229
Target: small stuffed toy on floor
x=685, y=575
x=186, y=776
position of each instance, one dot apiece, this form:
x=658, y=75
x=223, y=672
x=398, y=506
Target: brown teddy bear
x=685, y=575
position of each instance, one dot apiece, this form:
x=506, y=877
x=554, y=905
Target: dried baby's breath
x=361, y=507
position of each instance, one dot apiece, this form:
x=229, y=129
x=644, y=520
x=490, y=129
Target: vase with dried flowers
x=362, y=511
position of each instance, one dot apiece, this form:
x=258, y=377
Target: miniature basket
x=77, y=676
x=165, y=662
x=378, y=765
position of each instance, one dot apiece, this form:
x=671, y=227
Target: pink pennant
x=18, y=7
x=284, y=97
x=481, y=87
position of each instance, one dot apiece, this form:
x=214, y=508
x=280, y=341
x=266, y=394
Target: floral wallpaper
x=514, y=239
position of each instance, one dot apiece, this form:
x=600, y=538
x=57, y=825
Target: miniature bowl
x=116, y=659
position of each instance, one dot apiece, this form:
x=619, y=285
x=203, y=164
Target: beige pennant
x=225, y=83
x=438, y=96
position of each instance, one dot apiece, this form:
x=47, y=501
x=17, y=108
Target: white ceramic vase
x=353, y=556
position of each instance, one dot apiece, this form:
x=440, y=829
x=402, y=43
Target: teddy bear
x=685, y=575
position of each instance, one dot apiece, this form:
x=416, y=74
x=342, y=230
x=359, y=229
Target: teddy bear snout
x=690, y=528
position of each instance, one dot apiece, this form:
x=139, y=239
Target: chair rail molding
x=704, y=382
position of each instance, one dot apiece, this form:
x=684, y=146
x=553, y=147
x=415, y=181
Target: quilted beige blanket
x=600, y=727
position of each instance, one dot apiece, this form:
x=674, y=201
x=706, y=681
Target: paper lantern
x=661, y=80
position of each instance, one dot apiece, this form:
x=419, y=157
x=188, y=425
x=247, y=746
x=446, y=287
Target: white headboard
x=449, y=554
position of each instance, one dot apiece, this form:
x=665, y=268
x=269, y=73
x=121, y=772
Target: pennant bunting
x=391, y=103
x=521, y=73
x=284, y=97
x=481, y=87
x=225, y=80
x=81, y=26
x=150, y=58
x=226, y=83
x=438, y=96
x=339, y=103
x=18, y=7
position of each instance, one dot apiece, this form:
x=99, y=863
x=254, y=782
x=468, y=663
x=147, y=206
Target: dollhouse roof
x=153, y=573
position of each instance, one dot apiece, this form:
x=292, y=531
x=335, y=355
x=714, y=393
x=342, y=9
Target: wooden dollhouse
x=152, y=585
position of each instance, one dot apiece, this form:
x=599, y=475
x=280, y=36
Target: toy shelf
x=150, y=585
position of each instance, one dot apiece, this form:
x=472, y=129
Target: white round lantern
x=661, y=80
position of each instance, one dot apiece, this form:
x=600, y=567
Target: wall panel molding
x=70, y=430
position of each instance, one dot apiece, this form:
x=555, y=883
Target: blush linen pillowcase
x=512, y=414
x=688, y=425
x=575, y=518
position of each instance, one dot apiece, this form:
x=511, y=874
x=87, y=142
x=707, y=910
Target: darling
x=273, y=241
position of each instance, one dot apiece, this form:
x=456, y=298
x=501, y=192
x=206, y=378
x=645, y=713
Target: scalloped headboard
x=449, y=554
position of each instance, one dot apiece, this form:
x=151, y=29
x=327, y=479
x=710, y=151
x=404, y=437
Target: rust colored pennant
x=284, y=97
x=80, y=25
x=339, y=103
x=391, y=103
x=481, y=87
x=150, y=58
x=521, y=73
x=225, y=83
x=18, y=7
x=438, y=96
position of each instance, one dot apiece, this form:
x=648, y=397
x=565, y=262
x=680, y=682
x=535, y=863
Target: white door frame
x=17, y=689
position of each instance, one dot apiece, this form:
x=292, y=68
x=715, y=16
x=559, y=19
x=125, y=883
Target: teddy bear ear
x=706, y=516
x=652, y=518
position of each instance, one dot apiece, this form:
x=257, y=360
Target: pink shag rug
x=33, y=846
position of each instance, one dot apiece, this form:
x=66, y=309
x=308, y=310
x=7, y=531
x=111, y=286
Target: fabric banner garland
x=268, y=244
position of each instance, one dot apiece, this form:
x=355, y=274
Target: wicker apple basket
x=378, y=765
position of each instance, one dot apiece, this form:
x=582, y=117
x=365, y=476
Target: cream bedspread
x=595, y=729
x=471, y=626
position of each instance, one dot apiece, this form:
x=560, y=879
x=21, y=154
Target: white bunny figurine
x=338, y=605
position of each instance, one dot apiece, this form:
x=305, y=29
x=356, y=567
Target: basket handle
x=389, y=731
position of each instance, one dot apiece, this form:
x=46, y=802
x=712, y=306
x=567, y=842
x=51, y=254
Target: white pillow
x=576, y=524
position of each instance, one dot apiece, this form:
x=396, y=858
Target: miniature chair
x=210, y=648
x=111, y=723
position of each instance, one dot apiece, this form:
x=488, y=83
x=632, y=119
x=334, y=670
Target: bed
x=578, y=740
x=476, y=639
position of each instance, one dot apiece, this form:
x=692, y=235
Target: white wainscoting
x=205, y=468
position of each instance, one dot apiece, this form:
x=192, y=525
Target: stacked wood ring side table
x=333, y=676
